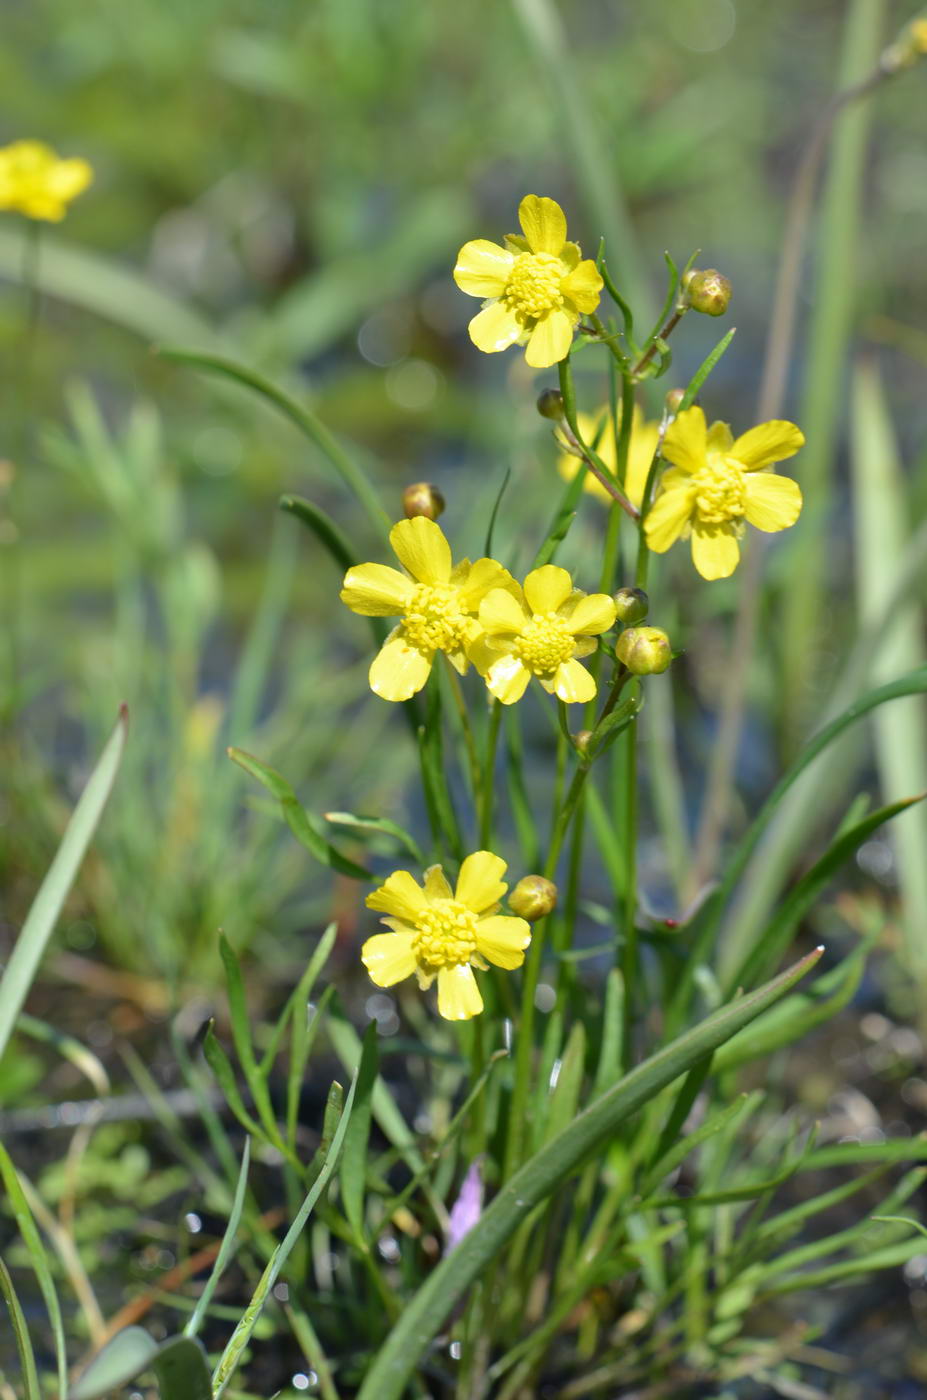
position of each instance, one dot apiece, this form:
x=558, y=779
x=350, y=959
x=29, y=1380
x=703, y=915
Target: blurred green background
x=289, y=183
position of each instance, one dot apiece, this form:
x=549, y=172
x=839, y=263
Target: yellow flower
x=717, y=482
x=36, y=182
x=540, y=632
x=438, y=605
x=442, y=933
x=597, y=429
x=537, y=286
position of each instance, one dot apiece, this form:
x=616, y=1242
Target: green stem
x=629, y=956
x=460, y=705
x=489, y=766
x=593, y=461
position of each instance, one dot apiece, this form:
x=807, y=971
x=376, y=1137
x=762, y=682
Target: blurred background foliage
x=289, y=183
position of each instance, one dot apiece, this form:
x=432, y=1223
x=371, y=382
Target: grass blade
x=542, y=1173
x=33, y=1243
x=226, y=1247
x=47, y=905
x=21, y=1333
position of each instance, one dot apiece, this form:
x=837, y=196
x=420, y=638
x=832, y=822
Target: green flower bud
x=632, y=605
x=550, y=404
x=708, y=291
x=422, y=499
x=533, y=897
x=644, y=650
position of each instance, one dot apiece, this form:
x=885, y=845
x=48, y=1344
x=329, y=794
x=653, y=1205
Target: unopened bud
x=645, y=651
x=550, y=404
x=632, y=605
x=582, y=740
x=708, y=291
x=421, y=498
x=533, y=898
x=673, y=399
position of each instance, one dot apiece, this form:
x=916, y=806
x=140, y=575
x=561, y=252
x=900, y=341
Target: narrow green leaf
x=324, y=528
x=306, y=1024
x=772, y=946
x=566, y=1091
x=299, y=414
x=46, y=907
x=21, y=1333
x=221, y=1067
x=704, y=370
x=354, y=1157
x=228, y=1362
x=788, y=1022
x=491, y=527
x=298, y=1000
x=39, y=1259
x=542, y=1173
x=241, y=1035
x=882, y=514
x=297, y=818
x=608, y=1068
x=744, y=1105
x=226, y=1248
x=888, y=1258
x=382, y=824
x=563, y=519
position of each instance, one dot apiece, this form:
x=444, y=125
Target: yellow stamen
x=545, y=643
x=720, y=493
x=445, y=934
x=434, y=620
x=533, y=287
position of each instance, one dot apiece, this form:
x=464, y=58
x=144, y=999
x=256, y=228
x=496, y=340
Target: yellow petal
x=502, y=940
x=376, y=590
x=767, y=444
x=507, y=679
x=68, y=178
x=389, y=958
x=502, y=612
x=481, y=576
x=483, y=268
x=547, y=588
x=494, y=328
x=668, y=516
x=715, y=550
x=480, y=884
x=573, y=684
x=686, y=441
x=593, y=614
x=584, y=646
x=399, y=894
x=773, y=502
x=421, y=548
x=436, y=886
x=720, y=437
x=550, y=340
x=583, y=286
x=398, y=671
x=458, y=995
x=543, y=223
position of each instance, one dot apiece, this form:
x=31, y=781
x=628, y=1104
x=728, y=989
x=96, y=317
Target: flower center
x=434, y=619
x=719, y=491
x=445, y=934
x=533, y=287
x=545, y=642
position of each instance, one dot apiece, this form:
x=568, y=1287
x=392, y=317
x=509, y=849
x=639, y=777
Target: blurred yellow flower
x=36, y=182
x=718, y=482
x=438, y=605
x=597, y=430
x=444, y=934
x=536, y=287
x=541, y=631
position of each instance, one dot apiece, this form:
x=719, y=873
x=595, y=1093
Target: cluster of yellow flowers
x=476, y=613
x=36, y=182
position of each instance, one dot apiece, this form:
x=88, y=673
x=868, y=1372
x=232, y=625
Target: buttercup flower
x=540, y=631
x=36, y=182
x=536, y=287
x=437, y=604
x=444, y=934
x=717, y=483
x=597, y=429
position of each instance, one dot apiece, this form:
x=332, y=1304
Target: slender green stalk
x=629, y=951
x=488, y=792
